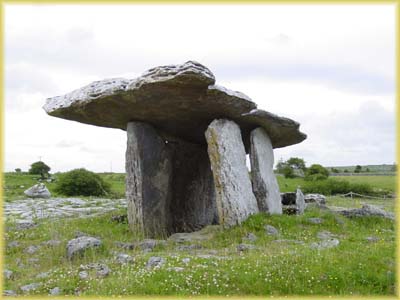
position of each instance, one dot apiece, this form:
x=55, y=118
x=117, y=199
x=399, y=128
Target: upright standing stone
x=148, y=180
x=193, y=202
x=300, y=203
x=234, y=196
x=264, y=182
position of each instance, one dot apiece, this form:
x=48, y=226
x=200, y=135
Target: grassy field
x=355, y=267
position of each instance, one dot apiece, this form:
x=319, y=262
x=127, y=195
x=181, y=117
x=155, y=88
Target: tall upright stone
x=193, y=203
x=265, y=185
x=148, y=180
x=235, y=200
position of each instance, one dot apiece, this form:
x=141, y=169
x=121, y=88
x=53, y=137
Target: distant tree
x=316, y=172
x=292, y=167
x=346, y=171
x=296, y=163
x=39, y=168
x=358, y=169
x=18, y=170
x=334, y=170
x=367, y=170
x=394, y=168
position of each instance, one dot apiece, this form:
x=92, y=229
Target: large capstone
x=265, y=185
x=178, y=100
x=38, y=191
x=148, y=180
x=234, y=196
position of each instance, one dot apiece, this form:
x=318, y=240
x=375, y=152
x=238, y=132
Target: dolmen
x=187, y=141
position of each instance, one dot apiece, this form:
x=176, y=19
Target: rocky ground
x=73, y=246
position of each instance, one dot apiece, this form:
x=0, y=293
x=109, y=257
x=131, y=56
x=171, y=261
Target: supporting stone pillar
x=234, y=196
x=148, y=180
x=193, y=202
x=265, y=185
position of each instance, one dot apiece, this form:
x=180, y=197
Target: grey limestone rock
x=265, y=185
x=300, y=203
x=315, y=198
x=55, y=291
x=148, y=180
x=367, y=210
x=315, y=220
x=32, y=249
x=38, y=191
x=244, y=247
x=325, y=244
x=124, y=258
x=155, y=262
x=180, y=100
x=78, y=246
x=8, y=274
x=30, y=287
x=271, y=230
x=9, y=293
x=235, y=200
x=250, y=237
x=83, y=275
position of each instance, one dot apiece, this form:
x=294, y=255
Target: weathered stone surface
x=265, y=185
x=315, y=220
x=179, y=100
x=55, y=291
x=234, y=196
x=38, y=191
x=155, y=262
x=9, y=293
x=8, y=274
x=204, y=234
x=245, y=247
x=32, y=249
x=30, y=287
x=78, y=246
x=325, y=244
x=148, y=180
x=300, y=203
x=315, y=198
x=193, y=203
x=367, y=210
x=271, y=230
x=124, y=258
x=250, y=237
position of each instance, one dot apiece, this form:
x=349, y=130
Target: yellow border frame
x=208, y=2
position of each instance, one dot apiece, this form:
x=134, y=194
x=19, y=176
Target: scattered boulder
x=55, y=291
x=32, y=249
x=12, y=244
x=30, y=287
x=315, y=198
x=43, y=275
x=244, y=247
x=325, y=235
x=155, y=262
x=124, y=258
x=148, y=244
x=52, y=243
x=250, y=237
x=188, y=247
x=9, y=293
x=38, y=191
x=83, y=275
x=23, y=224
x=8, y=274
x=367, y=210
x=300, y=203
x=78, y=246
x=102, y=271
x=271, y=230
x=315, y=220
x=325, y=244
x=127, y=246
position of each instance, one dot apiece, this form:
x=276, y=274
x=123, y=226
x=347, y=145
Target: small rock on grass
x=325, y=235
x=315, y=220
x=103, y=271
x=78, y=246
x=325, y=244
x=83, y=275
x=9, y=293
x=8, y=274
x=372, y=239
x=271, y=230
x=127, y=246
x=55, y=291
x=30, y=287
x=186, y=260
x=244, y=247
x=123, y=258
x=250, y=237
x=32, y=249
x=155, y=262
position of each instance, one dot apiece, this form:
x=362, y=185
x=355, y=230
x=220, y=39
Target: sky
x=329, y=67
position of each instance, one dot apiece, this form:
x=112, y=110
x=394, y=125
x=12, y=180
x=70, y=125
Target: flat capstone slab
x=178, y=100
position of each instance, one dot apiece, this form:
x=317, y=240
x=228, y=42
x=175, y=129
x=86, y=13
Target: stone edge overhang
x=188, y=74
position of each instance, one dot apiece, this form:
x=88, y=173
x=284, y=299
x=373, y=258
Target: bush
x=81, y=182
x=288, y=172
x=316, y=172
x=333, y=186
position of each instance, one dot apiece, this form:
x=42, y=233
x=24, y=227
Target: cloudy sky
x=329, y=67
